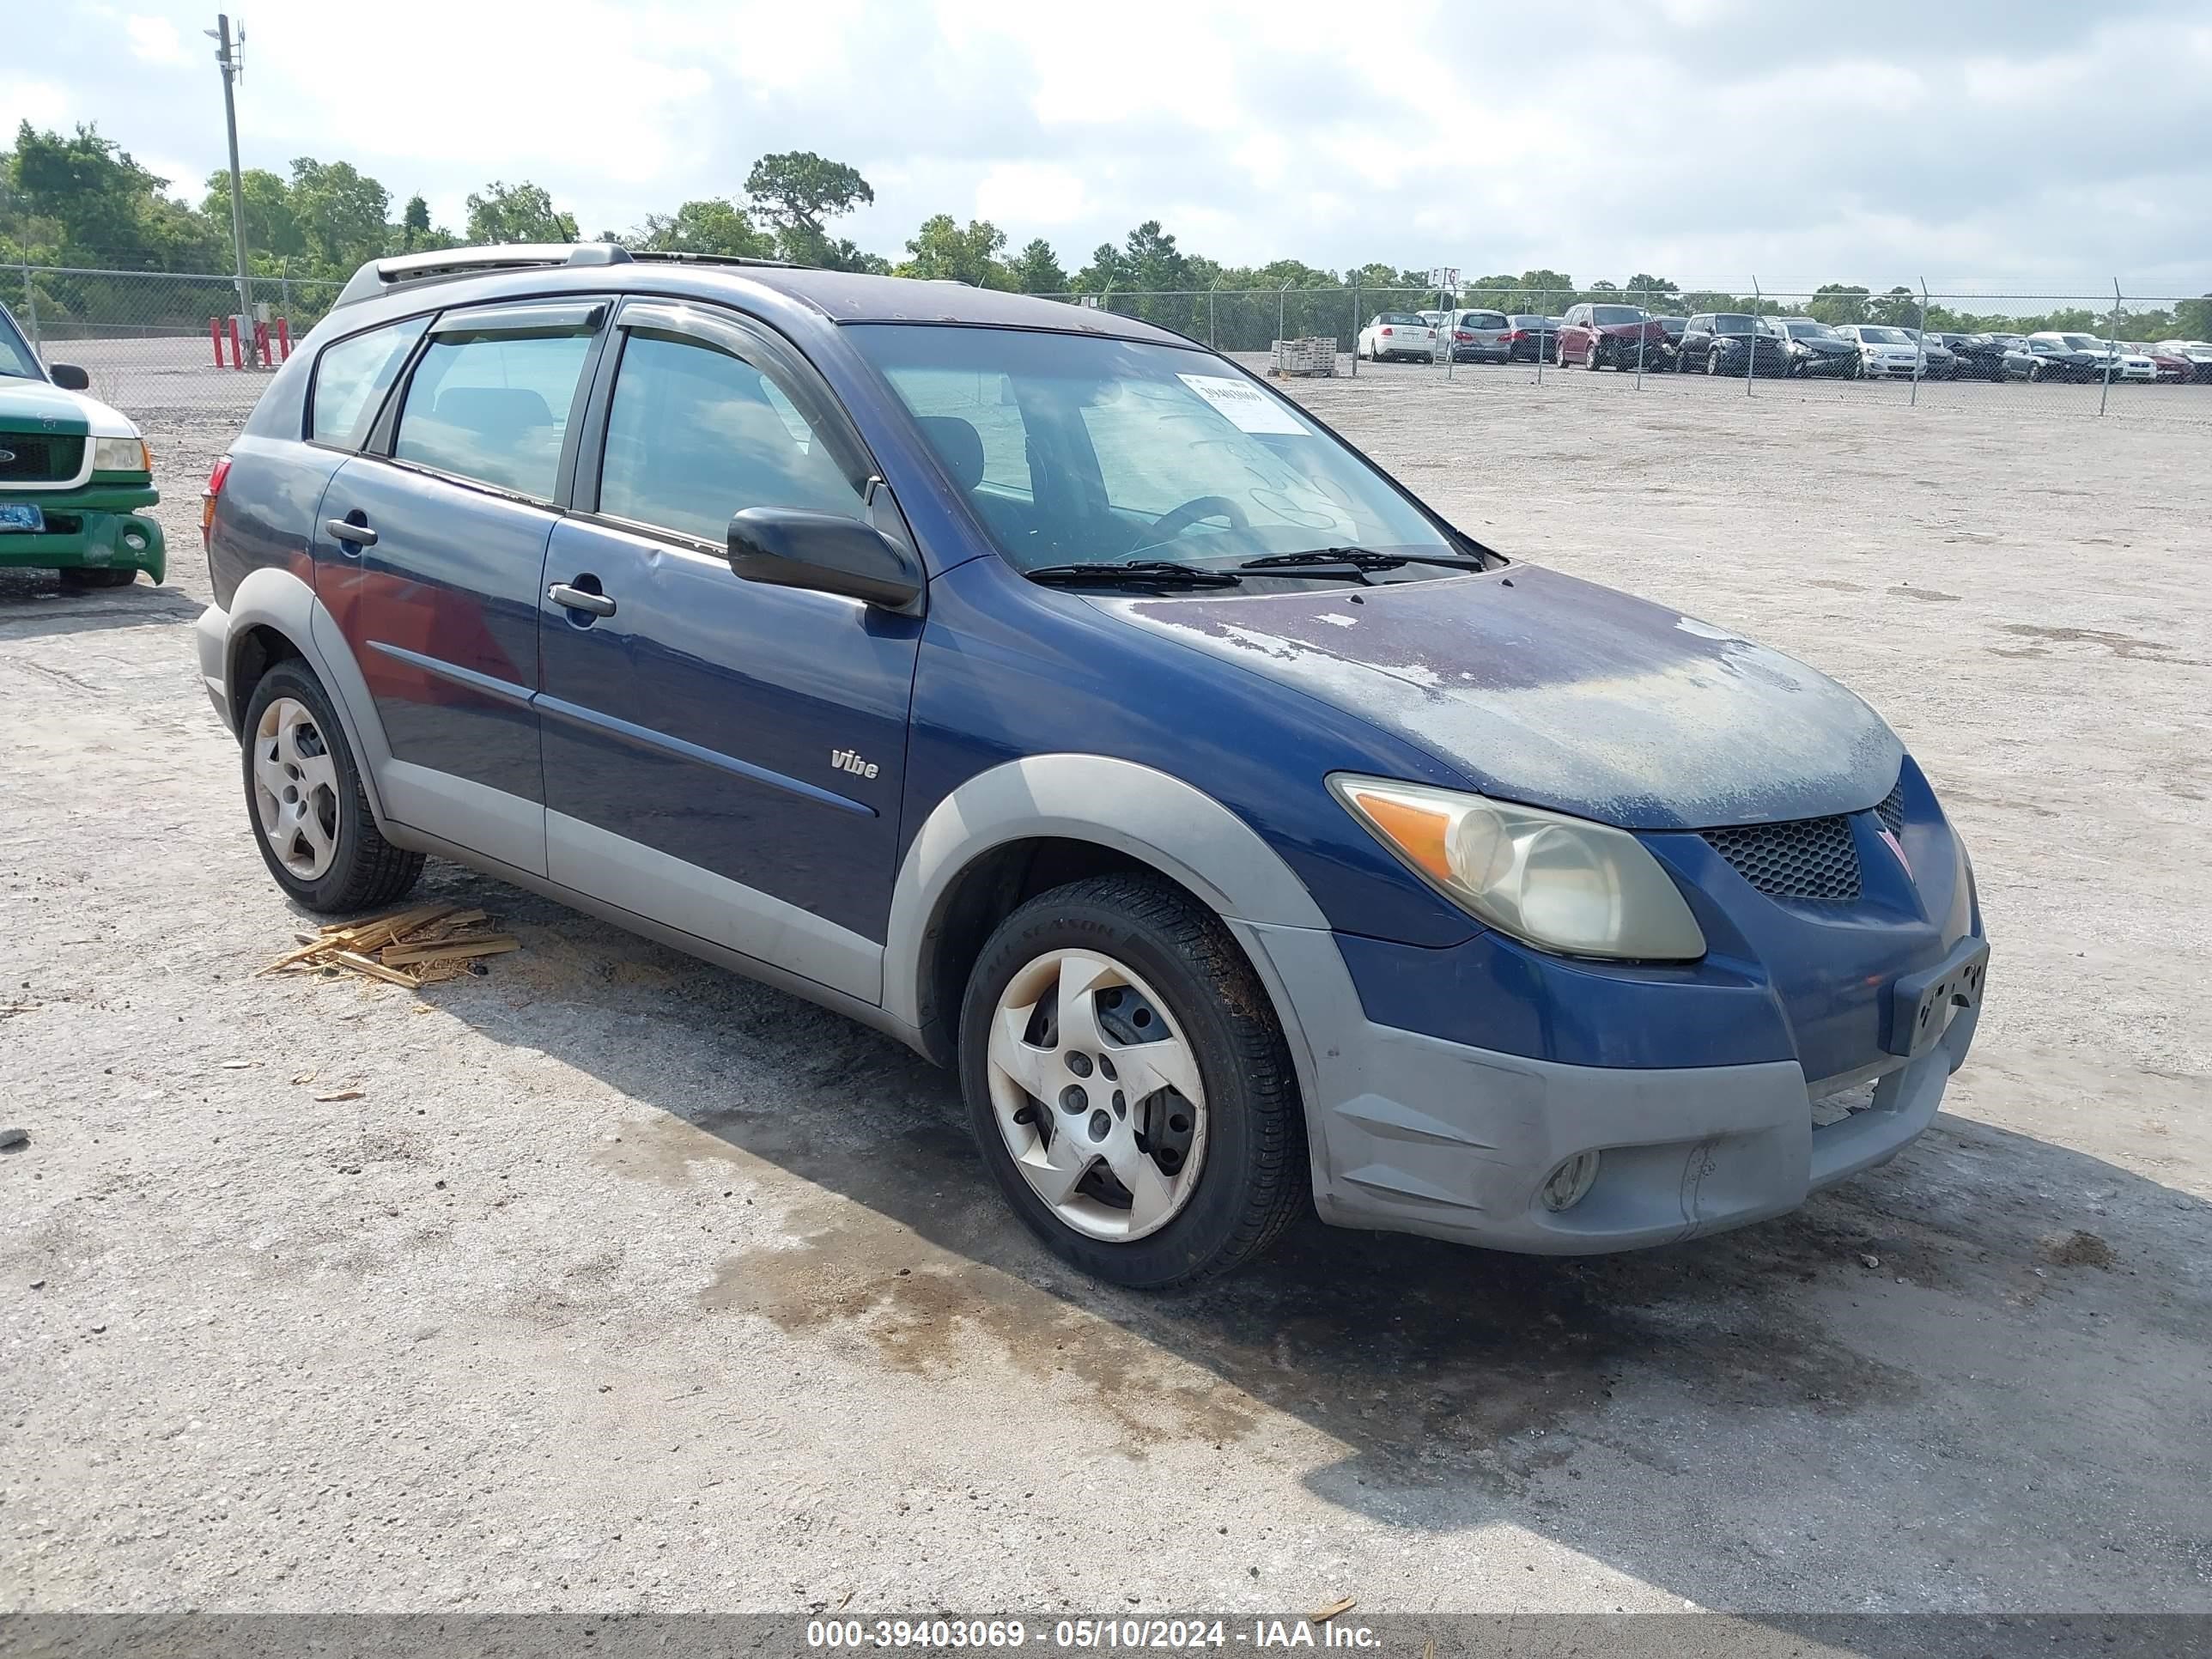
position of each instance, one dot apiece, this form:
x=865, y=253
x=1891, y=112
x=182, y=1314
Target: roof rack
x=670, y=257
x=380, y=276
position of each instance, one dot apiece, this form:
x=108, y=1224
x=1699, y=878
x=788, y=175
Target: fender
x=277, y=599
x=1156, y=818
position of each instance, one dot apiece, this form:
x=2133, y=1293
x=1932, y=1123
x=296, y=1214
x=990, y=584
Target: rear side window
x=493, y=408
x=694, y=436
x=352, y=377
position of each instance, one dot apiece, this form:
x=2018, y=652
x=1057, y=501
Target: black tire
x=111, y=576
x=1254, y=1180
x=366, y=871
x=1591, y=361
x=2035, y=372
x=1713, y=362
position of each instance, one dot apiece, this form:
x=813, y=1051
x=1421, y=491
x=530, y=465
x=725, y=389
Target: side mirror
x=827, y=552
x=69, y=378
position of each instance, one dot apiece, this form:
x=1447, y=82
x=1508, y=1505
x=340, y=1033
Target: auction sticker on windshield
x=1249, y=409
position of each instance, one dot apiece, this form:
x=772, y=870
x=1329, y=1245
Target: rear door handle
x=354, y=535
x=575, y=599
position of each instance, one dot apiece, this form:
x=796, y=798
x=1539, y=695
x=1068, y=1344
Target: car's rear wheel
x=310, y=814
x=1127, y=1087
x=1591, y=361
x=100, y=576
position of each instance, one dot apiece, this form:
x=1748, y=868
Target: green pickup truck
x=75, y=478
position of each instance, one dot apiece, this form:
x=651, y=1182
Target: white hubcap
x=296, y=789
x=1097, y=1095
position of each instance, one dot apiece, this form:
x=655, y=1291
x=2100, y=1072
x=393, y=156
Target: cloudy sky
x=2032, y=146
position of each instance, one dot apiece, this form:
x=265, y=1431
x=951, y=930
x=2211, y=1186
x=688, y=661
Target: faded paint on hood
x=1556, y=692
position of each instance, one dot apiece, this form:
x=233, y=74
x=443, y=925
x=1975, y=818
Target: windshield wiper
x=1155, y=573
x=1358, y=559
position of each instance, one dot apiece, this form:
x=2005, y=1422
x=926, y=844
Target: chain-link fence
x=2098, y=354
x=162, y=344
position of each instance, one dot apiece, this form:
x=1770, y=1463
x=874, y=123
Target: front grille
x=1892, y=807
x=39, y=458
x=1811, y=859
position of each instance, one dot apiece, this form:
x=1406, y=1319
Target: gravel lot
x=611, y=1281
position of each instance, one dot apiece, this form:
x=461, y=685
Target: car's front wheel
x=1127, y=1087
x=310, y=814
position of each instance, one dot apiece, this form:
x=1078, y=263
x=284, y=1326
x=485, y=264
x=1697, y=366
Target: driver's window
x=694, y=434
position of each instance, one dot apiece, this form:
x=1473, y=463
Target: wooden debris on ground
x=413, y=947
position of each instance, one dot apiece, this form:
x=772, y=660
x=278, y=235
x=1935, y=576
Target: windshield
x=1884, y=336
x=1735, y=322
x=1072, y=448
x=1606, y=315
x=15, y=358
x=2083, y=342
x=1810, y=330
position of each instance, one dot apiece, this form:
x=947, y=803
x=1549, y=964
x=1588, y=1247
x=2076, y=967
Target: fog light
x=1568, y=1184
x=135, y=540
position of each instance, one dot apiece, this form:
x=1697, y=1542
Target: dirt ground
x=612, y=1281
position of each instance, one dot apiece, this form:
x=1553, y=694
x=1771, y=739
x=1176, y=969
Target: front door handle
x=575, y=598
x=352, y=534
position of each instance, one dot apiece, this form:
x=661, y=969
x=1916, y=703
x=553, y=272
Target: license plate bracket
x=1922, y=1005
x=21, y=519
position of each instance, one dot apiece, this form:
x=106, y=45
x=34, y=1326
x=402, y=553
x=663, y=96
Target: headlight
x=121, y=455
x=1560, y=883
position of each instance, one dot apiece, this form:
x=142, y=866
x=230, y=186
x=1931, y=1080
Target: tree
x=1838, y=303
x=1036, y=270
x=517, y=213
x=272, y=228
x=713, y=225
x=415, y=224
x=1899, y=308
x=1104, y=273
x=341, y=213
x=83, y=201
x=795, y=191
x=1652, y=290
x=2192, y=318
x=943, y=250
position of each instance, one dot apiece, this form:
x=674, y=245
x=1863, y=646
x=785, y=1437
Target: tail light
x=1386, y=330
x=1462, y=334
x=216, y=479
x=1518, y=334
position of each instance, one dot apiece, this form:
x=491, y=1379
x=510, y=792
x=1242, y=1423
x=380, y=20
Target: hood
x=39, y=406
x=1555, y=692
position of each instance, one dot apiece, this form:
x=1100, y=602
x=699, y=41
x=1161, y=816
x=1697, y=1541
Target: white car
x=2126, y=365
x=1476, y=336
x=1396, y=334
x=1885, y=353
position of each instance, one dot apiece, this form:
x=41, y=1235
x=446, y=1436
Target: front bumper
x=90, y=529
x=1419, y=1134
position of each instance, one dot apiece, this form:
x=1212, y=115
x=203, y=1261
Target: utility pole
x=227, y=55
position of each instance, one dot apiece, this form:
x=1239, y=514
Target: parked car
x=77, y=480
x=1670, y=349
x=1596, y=336
x=1393, y=336
x=1980, y=356
x=2124, y=364
x=1937, y=362
x=1716, y=343
x=1816, y=349
x=1885, y=352
x=933, y=672
x=2170, y=366
x=1530, y=338
x=2048, y=357
x=1478, y=335
x=2197, y=353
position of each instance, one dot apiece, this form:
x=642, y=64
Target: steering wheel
x=1172, y=523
